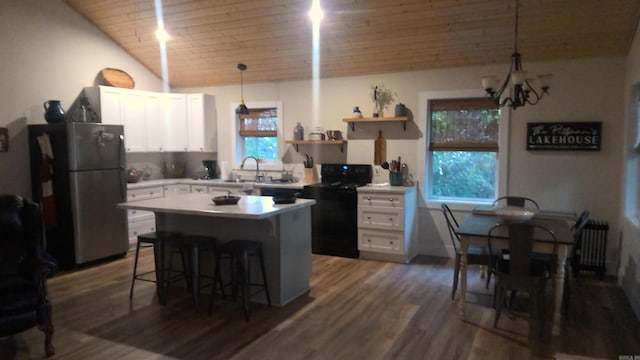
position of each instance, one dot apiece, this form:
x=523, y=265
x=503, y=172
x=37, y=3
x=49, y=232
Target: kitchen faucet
x=259, y=177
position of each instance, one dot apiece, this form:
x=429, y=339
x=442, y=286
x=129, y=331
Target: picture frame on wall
x=574, y=136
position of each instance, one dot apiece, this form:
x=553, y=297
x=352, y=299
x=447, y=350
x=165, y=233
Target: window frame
x=424, y=154
x=236, y=143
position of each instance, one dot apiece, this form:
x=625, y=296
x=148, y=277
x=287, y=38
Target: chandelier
x=522, y=91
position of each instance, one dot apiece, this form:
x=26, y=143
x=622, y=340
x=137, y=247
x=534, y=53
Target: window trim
x=275, y=165
x=423, y=144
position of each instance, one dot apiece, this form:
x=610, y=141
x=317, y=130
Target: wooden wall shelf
x=352, y=121
x=295, y=143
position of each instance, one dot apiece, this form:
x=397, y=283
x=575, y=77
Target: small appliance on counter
x=210, y=169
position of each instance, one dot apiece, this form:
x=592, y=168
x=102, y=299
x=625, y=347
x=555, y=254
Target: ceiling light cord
x=242, y=108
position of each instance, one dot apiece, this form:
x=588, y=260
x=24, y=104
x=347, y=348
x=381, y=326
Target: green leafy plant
x=382, y=97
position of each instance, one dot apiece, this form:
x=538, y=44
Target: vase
x=53, y=112
x=380, y=109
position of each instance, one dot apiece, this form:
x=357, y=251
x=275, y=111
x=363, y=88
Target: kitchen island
x=283, y=229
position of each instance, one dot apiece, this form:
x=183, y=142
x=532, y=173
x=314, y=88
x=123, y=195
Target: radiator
x=591, y=248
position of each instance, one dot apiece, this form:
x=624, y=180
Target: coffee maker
x=210, y=169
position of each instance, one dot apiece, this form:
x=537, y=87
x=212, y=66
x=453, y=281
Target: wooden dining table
x=474, y=230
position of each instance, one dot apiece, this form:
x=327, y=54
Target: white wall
x=48, y=52
x=629, y=271
x=561, y=180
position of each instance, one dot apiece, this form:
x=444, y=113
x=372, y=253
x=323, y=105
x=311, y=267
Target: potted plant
x=382, y=97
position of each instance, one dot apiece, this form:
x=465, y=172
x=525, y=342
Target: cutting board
x=380, y=149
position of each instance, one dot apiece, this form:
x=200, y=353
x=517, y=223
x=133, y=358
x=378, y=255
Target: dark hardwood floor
x=356, y=309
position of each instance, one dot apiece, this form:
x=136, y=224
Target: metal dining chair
x=476, y=255
x=518, y=269
x=518, y=201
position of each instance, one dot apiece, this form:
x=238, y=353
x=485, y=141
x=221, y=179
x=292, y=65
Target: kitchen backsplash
x=152, y=164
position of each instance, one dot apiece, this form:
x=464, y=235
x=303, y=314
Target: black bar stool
x=193, y=245
x=239, y=253
x=159, y=240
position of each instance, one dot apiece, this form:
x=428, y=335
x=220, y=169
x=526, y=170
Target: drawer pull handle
x=391, y=199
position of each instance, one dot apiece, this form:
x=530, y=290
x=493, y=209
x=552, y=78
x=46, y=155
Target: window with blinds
x=464, y=125
x=463, y=149
x=259, y=123
x=258, y=133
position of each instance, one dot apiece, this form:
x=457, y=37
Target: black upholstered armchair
x=24, y=268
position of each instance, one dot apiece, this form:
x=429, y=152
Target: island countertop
x=249, y=207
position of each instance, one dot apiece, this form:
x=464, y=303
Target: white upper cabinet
x=201, y=123
x=154, y=121
x=175, y=122
x=133, y=119
x=159, y=121
x=110, y=105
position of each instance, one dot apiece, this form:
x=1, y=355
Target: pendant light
x=242, y=108
x=522, y=91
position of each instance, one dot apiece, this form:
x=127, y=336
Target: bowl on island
x=226, y=200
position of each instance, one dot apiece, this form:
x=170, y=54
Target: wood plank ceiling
x=273, y=37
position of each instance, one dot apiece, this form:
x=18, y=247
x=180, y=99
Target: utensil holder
x=395, y=178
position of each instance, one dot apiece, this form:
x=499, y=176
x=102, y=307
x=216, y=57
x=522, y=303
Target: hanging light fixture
x=522, y=92
x=242, y=108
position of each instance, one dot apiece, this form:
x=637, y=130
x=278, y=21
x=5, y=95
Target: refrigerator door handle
x=121, y=156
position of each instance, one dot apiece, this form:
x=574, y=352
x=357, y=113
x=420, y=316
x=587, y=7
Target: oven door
x=334, y=220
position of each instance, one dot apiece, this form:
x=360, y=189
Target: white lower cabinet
x=141, y=222
x=380, y=241
x=202, y=189
x=176, y=189
x=386, y=224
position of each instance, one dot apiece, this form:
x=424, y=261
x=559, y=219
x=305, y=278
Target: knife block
x=310, y=175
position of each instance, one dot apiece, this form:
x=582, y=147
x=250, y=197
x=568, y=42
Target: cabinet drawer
x=139, y=215
x=381, y=199
x=144, y=193
x=380, y=241
x=203, y=189
x=176, y=189
x=380, y=218
x=140, y=227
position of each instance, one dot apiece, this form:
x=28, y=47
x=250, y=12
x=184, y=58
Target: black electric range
x=334, y=217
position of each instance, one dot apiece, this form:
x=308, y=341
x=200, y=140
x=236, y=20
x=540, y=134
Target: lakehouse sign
x=564, y=136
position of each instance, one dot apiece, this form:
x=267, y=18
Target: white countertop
x=249, y=207
x=214, y=182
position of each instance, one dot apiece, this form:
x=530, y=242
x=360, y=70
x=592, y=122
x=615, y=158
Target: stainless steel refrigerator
x=79, y=185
